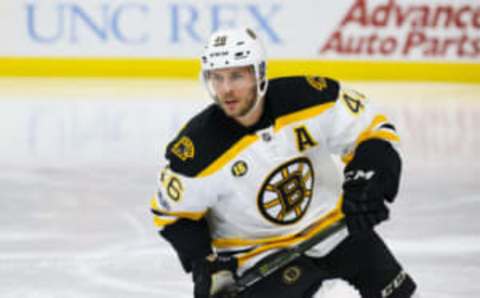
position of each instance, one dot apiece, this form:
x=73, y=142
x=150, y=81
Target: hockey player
x=255, y=172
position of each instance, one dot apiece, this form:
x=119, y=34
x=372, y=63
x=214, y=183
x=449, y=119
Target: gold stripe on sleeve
x=160, y=222
x=369, y=133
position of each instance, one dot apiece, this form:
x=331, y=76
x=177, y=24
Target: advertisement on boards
x=406, y=29
x=303, y=29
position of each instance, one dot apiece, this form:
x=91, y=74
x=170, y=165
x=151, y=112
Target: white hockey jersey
x=277, y=183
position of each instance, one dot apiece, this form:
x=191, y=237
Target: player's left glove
x=213, y=274
x=371, y=178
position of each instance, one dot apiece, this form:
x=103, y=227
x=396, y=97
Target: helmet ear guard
x=235, y=48
x=262, y=82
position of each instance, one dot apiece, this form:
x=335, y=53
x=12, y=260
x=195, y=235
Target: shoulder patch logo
x=316, y=82
x=184, y=148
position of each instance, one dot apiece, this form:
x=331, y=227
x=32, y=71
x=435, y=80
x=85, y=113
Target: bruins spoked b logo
x=286, y=193
x=291, y=275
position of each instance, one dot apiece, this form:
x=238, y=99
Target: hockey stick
x=277, y=261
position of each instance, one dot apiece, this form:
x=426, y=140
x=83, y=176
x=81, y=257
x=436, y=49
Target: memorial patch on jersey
x=184, y=148
x=316, y=82
x=239, y=168
x=286, y=193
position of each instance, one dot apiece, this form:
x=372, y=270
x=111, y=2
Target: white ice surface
x=74, y=224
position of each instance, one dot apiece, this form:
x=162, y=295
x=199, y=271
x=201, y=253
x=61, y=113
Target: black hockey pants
x=362, y=259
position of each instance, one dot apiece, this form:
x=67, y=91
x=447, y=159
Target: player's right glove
x=213, y=274
x=371, y=179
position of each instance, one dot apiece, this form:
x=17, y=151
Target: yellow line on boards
x=189, y=69
x=381, y=71
x=99, y=67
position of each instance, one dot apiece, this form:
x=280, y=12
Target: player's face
x=235, y=89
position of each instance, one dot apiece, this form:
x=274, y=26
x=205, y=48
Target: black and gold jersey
x=276, y=183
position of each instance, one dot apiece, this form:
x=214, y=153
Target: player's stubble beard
x=247, y=104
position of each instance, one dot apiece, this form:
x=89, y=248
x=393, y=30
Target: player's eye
x=216, y=78
x=236, y=76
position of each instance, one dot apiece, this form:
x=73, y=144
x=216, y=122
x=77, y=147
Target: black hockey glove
x=190, y=239
x=213, y=274
x=371, y=178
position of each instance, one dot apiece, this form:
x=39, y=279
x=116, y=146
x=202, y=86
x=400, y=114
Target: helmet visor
x=225, y=82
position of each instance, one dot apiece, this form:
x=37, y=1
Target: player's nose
x=226, y=87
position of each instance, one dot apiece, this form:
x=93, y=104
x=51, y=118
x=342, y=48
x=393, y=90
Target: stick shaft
x=284, y=257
